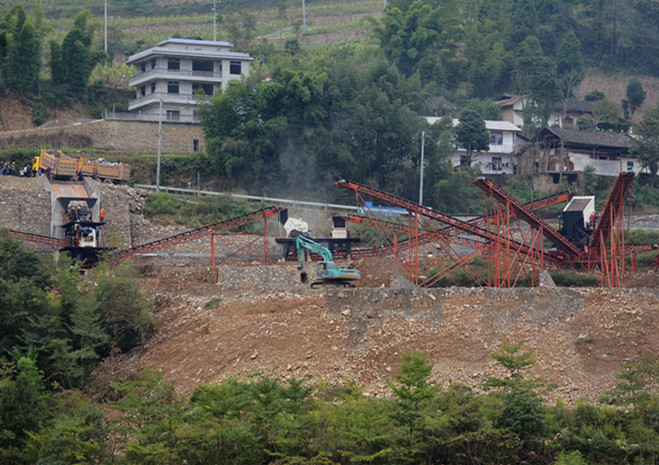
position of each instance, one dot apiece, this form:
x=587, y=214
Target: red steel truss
x=517, y=251
x=204, y=231
x=54, y=242
x=445, y=235
x=514, y=206
x=607, y=245
x=635, y=249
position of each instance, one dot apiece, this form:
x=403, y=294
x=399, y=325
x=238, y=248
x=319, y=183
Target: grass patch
x=566, y=278
x=192, y=211
x=211, y=304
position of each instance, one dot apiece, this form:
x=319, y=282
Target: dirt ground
x=206, y=333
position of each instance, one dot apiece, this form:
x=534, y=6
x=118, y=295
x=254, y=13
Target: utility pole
x=106, y=26
x=304, y=17
x=423, y=145
x=159, y=147
x=214, y=20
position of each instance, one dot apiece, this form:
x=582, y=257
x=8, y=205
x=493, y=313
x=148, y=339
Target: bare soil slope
x=581, y=337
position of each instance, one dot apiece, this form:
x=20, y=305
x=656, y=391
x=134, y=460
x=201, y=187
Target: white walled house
x=512, y=109
x=175, y=69
x=505, y=140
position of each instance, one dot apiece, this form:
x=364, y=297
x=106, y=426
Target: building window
x=153, y=87
x=203, y=67
x=496, y=138
x=143, y=67
x=206, y=87
x=465, y=160
x=630, y=166
x=195, y=145
x=496, y=164
x=173, y=64
x=172, y=87
x=235, y=67
x=142, y=91
x=173, y=115
x=153, y=64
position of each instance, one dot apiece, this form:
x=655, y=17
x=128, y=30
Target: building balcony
x=158, y=74
x=154, y=99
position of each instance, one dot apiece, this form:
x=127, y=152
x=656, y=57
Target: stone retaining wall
x=25, y=207
x=125, y=137
x=270, y=277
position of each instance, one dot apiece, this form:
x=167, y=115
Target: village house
x=175, y=70
x=564, y=113
x=556, y=150
x=505, y=140
x=511, y=108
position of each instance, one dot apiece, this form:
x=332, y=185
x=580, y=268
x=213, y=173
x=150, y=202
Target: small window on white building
x=173, y=115
x=235, y=67
x=143, y=68
x=172, y=87
x=173, y=64
x=496, y=138
x=142, y=91
x=497, y=164
x=153, y=87
x=630, y=166
x=153, y=64
x=207, y=88
x=202, y=67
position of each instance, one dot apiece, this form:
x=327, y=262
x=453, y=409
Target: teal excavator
x=327, y=273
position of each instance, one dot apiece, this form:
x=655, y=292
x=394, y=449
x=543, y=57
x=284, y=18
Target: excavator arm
x=327, y=272
x=304, y=243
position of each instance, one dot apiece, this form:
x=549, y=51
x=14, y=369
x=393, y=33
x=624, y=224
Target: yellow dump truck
x=60, y=165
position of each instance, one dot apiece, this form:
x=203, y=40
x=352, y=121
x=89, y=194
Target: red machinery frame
x=512, y=248
x=217, y=228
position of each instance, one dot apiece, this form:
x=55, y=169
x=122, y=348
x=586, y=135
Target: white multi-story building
x=174, y=70
x=505, y=140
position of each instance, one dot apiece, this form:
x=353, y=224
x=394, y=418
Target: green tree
x=635, y=97
x=536, y=75
x=151, y=413
x=123, y=306
x=22, y=297
x=78, y=434
x=23, y=63
x=570, y=458
x=486, y=108
x=418, y=38
x=646, y=145
x=606, y=110
x=522, y=412
x=569, y=67
x=23, y=407
x=422, y=428
x=72, y=62
x=471, y=133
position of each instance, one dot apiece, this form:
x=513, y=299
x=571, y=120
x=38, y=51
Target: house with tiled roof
x=556, y=150
x=567, y=112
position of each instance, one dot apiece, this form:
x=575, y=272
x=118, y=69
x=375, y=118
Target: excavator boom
x=327, y=273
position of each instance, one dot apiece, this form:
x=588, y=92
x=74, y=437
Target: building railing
x=173, y=74
x=165, y=96
x=122, y=116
